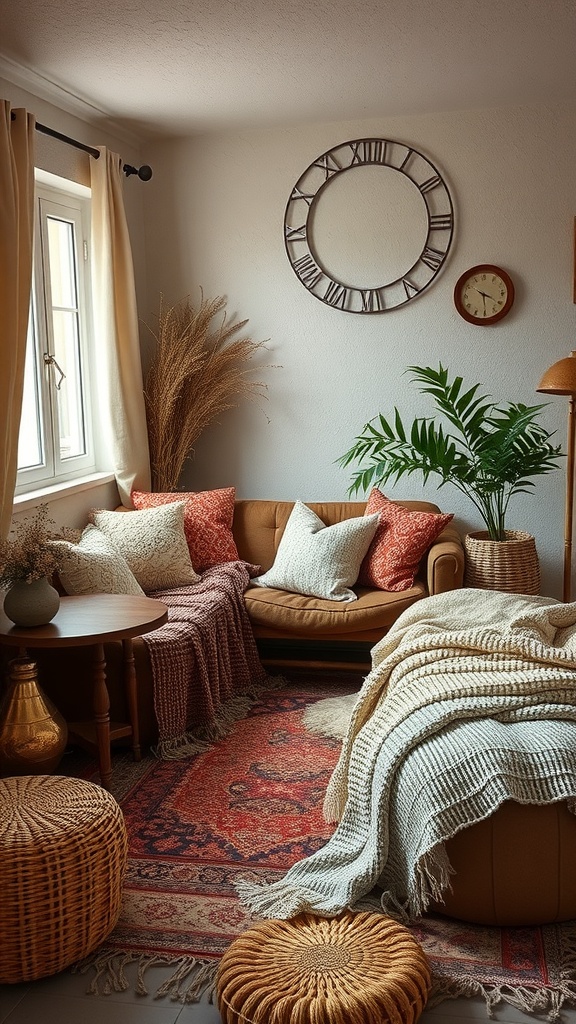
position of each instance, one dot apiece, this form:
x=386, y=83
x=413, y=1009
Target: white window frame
x=58, y=197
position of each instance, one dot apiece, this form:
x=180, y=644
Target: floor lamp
x=560, y=379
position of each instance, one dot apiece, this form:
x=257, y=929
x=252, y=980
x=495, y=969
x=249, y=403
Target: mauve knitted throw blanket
x=205, y=663
x=481, y=659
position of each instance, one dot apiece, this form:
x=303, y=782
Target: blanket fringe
x=190, y=980
x=431, y=879
x=202, y=738
x=279, y=899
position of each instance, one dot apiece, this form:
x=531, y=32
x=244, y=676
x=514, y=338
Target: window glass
x=56, y=436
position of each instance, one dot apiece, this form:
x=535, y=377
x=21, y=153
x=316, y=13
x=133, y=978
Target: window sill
x=30, y=499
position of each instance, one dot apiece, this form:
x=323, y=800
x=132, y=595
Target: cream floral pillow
x=319, y=560
x=94, y=566
x=153, y=543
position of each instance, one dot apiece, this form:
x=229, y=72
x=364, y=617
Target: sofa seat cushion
x=301, y=615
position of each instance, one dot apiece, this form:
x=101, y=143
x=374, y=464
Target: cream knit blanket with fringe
x=467, y=656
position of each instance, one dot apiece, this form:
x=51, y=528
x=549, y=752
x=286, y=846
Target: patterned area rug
x=250, y=807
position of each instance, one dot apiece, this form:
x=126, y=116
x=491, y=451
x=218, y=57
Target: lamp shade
x=560, y=378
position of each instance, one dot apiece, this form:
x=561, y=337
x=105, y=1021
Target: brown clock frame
x=484, y=268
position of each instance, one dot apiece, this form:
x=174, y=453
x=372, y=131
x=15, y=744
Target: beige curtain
x=16, y=238
x=116, y=329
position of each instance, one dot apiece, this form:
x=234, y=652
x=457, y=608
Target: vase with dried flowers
x=27, y=562
x=196, y=372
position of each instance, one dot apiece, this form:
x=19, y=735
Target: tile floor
x=63, y=1000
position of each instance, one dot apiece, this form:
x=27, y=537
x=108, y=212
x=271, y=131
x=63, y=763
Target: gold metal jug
x=33, y=733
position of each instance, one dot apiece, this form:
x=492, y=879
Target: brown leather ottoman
x=517, y=867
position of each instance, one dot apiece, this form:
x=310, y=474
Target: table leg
x=132, y=696
x=101, y=706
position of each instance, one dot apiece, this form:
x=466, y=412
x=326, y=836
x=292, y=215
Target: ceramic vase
x=32, y=604
x=33, y=733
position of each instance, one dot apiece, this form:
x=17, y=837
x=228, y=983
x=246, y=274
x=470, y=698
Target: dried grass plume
x=196, y=373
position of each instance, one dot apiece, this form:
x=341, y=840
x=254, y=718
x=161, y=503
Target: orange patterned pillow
x=402, y=537
x=208, y=519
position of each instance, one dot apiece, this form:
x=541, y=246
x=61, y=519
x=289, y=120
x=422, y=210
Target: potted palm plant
x=491, y=455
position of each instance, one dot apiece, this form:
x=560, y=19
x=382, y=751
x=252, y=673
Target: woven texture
x=204, y=659
x=63, y=849
x=463, y=655
x=510, y=564
x=362, y=968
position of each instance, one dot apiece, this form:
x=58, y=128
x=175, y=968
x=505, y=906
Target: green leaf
x=491, y=455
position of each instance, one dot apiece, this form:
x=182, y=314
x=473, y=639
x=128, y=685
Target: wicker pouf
x=362, y=968
x=63, y=850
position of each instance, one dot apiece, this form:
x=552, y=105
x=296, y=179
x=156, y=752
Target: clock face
x=381, y=281
x=484, y=294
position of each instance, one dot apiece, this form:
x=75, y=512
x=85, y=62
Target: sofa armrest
x=445, y=563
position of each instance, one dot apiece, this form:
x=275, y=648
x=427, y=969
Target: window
x=56, y=437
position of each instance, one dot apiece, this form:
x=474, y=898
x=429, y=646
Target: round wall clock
x=429, y=216
x=484, y=294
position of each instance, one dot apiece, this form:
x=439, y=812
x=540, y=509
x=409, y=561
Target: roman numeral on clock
x=430, y=183
x=441, y=222
x=293, y=234
x=336, y=294
x=297, y=194
x=368, y=151
x=410, y=289
x=308, y=270
x=328, y=164
x=372, y=300
x=432, y=258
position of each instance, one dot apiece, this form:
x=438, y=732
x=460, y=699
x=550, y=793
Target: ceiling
x=178, y=67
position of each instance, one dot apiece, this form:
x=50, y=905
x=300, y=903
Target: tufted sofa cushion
x=258, y=528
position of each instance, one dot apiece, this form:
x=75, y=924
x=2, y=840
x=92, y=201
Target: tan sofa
x=313, y=623
x=304, y=630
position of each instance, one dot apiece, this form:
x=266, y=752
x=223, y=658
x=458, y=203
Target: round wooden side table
x=92, y=620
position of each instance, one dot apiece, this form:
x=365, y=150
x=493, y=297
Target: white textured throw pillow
x=319, y=560
x=94, y=566
x=153, y=543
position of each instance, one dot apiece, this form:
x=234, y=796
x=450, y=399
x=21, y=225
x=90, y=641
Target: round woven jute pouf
x=363, y=968
x=510, y=565
x=63, y=849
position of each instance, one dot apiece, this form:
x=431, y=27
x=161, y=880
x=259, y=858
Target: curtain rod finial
x=144, y=172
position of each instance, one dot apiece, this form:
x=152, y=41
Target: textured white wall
x=214, y=215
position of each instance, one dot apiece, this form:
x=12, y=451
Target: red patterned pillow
x=402, y=537
x=207, y=522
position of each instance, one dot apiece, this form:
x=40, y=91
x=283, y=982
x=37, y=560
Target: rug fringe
x=197, y=741
x=190, y=980
x=546, y=1003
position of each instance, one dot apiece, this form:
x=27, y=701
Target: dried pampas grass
x=196, y=373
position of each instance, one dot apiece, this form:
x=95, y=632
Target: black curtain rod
x=144, y=172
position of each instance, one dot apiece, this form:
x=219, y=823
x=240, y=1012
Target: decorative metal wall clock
x=431, y=206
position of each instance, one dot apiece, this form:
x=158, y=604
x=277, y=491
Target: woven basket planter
x=351, y=969
x=510, y=565
x=63, y=851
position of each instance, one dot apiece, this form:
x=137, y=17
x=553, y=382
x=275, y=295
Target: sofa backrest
x=259, y=524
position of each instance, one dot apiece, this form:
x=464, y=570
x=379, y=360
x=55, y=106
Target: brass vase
x=33, y=733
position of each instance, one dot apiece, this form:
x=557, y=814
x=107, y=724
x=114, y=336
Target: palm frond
x=491, y=455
